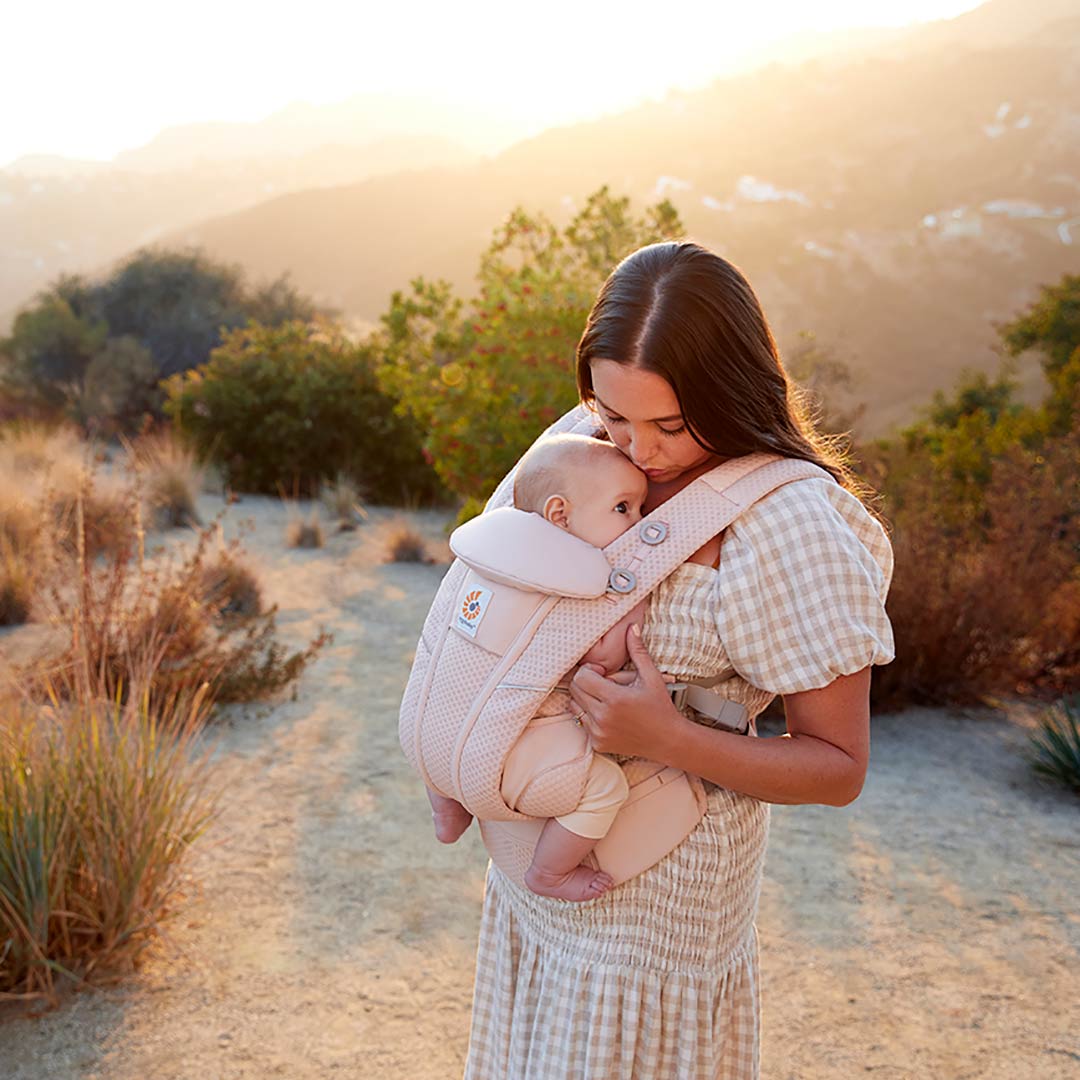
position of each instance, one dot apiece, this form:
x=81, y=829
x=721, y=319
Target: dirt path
x=929, y=930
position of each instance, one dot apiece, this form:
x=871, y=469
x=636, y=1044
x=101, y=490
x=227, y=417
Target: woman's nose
x=642, y=447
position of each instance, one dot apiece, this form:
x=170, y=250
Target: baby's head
x=584, y=485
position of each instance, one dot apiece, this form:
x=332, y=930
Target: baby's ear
x=556, y=510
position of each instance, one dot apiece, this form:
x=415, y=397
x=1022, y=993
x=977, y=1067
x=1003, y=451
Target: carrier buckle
x=653, y=532
x=678, y=691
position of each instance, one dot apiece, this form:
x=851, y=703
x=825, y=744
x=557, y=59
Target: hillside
x=896, y=195
x=63, y=216
x=896, y=205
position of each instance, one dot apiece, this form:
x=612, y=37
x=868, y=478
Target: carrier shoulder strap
x=640, y=559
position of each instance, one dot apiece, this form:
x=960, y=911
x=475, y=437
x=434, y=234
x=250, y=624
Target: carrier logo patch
x=472, y=611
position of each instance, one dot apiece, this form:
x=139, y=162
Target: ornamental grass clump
x=99, y=803
x=341, y=497
x=1056, y=745
x=18, y=583
x=173, y=478
x=405, y=544
x=305, y=532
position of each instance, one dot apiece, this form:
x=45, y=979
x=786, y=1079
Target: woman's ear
x=557, y=511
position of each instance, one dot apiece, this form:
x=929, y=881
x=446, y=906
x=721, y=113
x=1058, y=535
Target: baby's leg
x=556, y=868
x=450, y=817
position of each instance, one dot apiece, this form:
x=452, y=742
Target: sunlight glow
x=92, y=79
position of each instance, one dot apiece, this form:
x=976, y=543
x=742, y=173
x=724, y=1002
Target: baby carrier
x=516, y=611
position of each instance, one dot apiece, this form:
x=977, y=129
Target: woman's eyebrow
x=655, y=419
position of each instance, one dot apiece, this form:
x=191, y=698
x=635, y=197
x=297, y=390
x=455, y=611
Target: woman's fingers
x=646, y=668
x=589, y=682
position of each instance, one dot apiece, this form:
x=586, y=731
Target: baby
x=590, y=489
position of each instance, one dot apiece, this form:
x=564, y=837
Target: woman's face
x=642, y=417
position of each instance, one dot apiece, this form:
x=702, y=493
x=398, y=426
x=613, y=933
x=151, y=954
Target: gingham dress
x=658, y=979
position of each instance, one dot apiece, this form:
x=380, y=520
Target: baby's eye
x=622, y=508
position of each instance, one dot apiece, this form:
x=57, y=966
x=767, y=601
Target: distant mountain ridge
x=897, y=206
x=897, y=203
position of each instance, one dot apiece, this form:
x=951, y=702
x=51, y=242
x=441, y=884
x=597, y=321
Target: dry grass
x=41, y=471
x=341, y=497
x=304, y=533
x=405, y=544
x=172, y=479
x=34, y=448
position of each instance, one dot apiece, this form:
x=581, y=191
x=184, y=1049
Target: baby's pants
x=547, y=743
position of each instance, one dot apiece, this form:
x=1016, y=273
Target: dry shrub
x=304, y=534
x=172, y=479
x=405, y=544
x=980, y=608
x=130, y=615
x=99, y=803
x=229, y=588
x=108, y=510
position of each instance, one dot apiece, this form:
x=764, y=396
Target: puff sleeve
x=800, y=593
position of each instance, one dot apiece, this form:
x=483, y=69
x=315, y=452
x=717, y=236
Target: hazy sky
x=90, y=79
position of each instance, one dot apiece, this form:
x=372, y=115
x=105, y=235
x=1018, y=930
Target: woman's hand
x=628, y=716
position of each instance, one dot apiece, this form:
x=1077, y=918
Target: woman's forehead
x=633, y=392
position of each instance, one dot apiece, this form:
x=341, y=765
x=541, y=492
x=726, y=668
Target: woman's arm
x=821, y=759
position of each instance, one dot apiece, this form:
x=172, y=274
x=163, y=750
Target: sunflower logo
x=470, y=609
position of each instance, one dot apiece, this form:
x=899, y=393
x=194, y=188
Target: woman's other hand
x=629, y=712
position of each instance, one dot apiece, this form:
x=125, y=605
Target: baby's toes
x=600, y=883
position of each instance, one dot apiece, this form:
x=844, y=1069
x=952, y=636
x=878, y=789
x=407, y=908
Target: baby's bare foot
x=581, y=883
x=450, y=822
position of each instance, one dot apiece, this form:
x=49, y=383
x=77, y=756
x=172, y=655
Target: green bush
x=1056, y=745
x=167, y=307
x=483, y=381
x=293, y=406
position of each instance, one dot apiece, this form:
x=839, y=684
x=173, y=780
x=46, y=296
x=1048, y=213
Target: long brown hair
x=683, y=312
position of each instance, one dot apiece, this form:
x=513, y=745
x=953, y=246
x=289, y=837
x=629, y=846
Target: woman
x=658, y=979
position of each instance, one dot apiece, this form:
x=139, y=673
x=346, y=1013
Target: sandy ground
x=931, y=929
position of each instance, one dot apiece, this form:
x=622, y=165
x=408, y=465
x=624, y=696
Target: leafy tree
x=119, y=388
x=1052, y=326
x=296, y=404
x=48, y=352
x=482, y=378
x=172, y=304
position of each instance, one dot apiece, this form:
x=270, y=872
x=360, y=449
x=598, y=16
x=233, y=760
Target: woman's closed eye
x=667, y=431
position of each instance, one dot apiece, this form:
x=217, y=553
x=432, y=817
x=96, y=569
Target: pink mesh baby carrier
x=508, y=627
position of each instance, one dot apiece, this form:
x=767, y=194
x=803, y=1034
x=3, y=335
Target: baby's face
x=606, y=499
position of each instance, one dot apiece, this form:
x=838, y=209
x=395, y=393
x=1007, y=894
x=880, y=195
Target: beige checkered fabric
x=658, y=979
x=799, y=597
